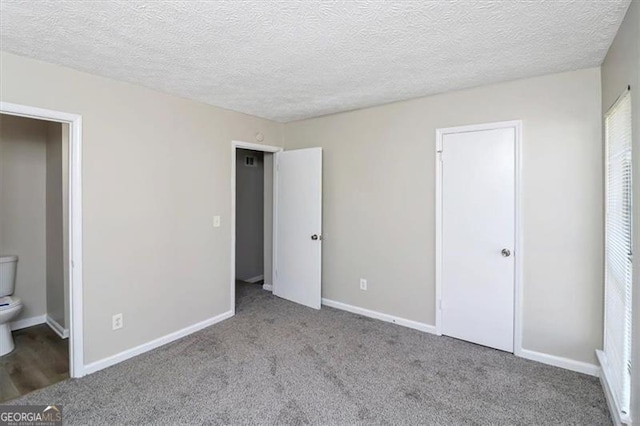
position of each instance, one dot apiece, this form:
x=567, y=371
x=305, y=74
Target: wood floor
x=40, y=359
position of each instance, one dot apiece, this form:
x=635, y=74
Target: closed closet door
x=478, y=236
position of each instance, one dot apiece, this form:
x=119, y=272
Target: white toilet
x=10, y=306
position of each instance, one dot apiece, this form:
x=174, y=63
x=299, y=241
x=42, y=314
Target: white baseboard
x=380, y=316
x=145, y=347
x=254, y=279
x=267, y=287
x=57, y=328
x=614, y=407
x=28, y=322
x=557, y=361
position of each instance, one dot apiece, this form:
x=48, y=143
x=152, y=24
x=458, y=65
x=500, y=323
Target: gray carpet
x=276, y=362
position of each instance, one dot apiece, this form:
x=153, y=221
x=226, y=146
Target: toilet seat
x=9, y=302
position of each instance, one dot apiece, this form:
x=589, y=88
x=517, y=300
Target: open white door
x=298, y=232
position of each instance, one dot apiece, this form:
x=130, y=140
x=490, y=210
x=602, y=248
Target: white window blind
x=618, y=251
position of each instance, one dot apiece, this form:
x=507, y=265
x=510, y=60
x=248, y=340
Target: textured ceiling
x=293, y=59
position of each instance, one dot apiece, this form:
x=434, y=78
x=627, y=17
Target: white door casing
x=298, y=226
x=476, y=220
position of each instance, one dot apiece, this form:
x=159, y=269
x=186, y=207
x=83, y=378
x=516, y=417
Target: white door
x=298, y=233
x=478, y=236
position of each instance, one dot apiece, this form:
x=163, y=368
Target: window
x=618, y=253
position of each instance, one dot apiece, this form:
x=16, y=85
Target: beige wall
x=23, y=145
x=379, y=203
x=249, y=216
x=56, y=302
x=621, y=68
x=156, y=169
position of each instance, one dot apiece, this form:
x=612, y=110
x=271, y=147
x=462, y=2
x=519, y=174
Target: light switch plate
x=117, y=322
x=363, y=284
x=216, y=221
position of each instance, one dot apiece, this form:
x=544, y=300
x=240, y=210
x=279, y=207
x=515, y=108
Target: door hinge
x=439, y=153
x=440, y=304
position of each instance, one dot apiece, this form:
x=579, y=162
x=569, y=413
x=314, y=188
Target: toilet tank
x=8, y=267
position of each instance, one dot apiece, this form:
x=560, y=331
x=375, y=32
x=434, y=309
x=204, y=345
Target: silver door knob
x=506, y=253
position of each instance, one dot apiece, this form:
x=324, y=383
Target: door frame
x=518, y=246
x=235, y=145
x=76, y=332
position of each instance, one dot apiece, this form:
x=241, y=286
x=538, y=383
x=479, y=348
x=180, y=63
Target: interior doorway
x=252, y=217
x=34, y=253
x=72, y=261
x=292, y=234
x=253, y=220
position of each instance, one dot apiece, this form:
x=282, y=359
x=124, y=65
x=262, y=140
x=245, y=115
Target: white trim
x=380, y=316
x=254, y=280
x=27, y=322
x=557, y=361
x=608, y=396
x=57, y=328
x=438, y=224
x=519, y=252
x=37, y=113
x=267, y=287
x=156, y=343
x=274, y=224
x=617, y=416
x=76, y=342
x=255, y=147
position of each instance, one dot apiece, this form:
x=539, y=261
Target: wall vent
x=250, y=161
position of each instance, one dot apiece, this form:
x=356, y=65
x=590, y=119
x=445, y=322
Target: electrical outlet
x=116, y=322
x=363, y=284
x=216, y=221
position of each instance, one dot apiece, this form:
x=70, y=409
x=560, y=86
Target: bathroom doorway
x=41, y=227
x=34, y=253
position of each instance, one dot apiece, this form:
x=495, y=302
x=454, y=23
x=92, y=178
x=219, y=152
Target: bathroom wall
x=249, y=216
x=56, y=302
x=65, y=223
x=23, y=144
